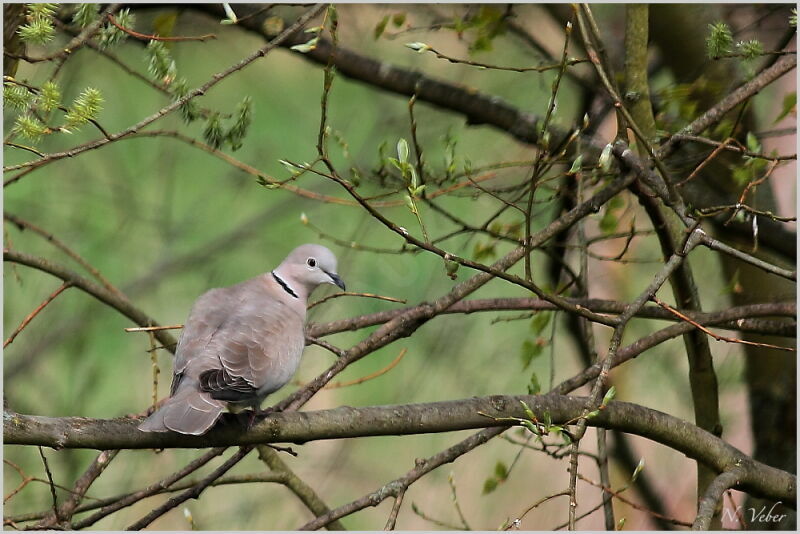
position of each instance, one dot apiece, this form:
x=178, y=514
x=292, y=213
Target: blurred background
x=165, y=221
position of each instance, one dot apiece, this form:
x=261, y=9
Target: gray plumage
x=241, y=343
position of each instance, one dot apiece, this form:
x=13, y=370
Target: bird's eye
x=311, y=262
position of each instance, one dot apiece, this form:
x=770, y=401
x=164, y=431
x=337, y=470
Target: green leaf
x=161, y=65
x=39, y=30
x=410, y=203
x=355, y=176
x=86, y=107
x=609, y=396
x=229, y=13
x=639, y=468
x=44, y=9
x=483, y=250
x=30, y=127
x=307, y=46
x=398, y=19
x=85, y=14
x=50, y=97
x=500, y=471
x=189, y=110
x=17, y=96
x=750, y=49
x=164, y=23
x=213, y=133
x=540, y=321
x=719, y=41
x=593, y=413
x=742, y=175
x=530, y=426
x=291, y=167
x=789, y=106
x=608, y=224
x=604, y=161
x=548, y=420
x=110, y=35
x=530, y=350
x=528, y=412
x=753, y=145
x=402, y=150
x=380, y=27
x=242, y=119
x=576, y=165
x=489, y=485
x=534, y=388
x=419, y=47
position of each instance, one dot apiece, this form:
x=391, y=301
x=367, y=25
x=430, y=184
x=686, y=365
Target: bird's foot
x=248, y=418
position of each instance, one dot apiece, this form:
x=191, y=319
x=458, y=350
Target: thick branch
x=348, y=422
x=296, y=485
x=712, y=498
x=477, y=108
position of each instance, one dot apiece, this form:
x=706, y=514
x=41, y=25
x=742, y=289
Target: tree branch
x=296, y=485
x=397, y=488
x=712, y=498
x=348, y=422
x=121, y=304
x=215, y=79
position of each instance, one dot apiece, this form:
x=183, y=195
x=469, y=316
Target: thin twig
x=520, y=517
x=203, y=89
x=148, y=37
x=23, y=224
x=153, y=328
x=35, y=312
x=354, y=294
x=132, y=498
x=376, y=374
x=122, y=305
x=52, y=484
x=193, y=492
x=488, y=66
x=395, y=487
x=618, y=495
x=712, y=334
x=392, y=520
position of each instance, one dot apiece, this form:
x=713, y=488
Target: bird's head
x=309, y=266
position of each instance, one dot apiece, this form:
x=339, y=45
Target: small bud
x=605, y=158
x=419, y=47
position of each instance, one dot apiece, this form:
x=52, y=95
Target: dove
x=243, y=342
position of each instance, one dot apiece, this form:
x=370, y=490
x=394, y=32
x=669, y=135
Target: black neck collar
x=284, y=285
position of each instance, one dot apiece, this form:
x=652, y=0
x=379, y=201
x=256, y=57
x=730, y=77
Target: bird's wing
x=239, y=341
x=260, y=345
x=208, y=316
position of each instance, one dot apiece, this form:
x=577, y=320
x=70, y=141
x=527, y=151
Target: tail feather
x=188, y=412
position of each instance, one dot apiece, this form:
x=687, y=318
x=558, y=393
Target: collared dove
x=243, y=342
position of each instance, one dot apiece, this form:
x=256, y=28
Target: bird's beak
x=336, y=280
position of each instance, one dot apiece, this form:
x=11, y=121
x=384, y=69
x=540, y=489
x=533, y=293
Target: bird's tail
x=188, y=411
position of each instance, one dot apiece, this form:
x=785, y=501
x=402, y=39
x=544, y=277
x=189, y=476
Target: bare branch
x=347, y=422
